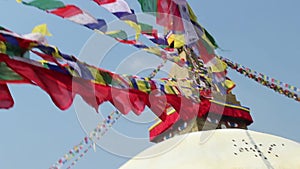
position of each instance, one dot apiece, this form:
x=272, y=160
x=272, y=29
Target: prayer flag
x=44, y=4
x=149, y=6
x=6, y=100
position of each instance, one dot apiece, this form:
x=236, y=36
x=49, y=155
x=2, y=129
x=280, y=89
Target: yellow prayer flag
x=142, y=86
x=218, y=65
x=229, y=84
x=178, y=40
x=43, y=62
x=2, y=47
x=168, y=90
x=193, y=17
x=56, y=52
x=205, y=38
x=97, y=76
x=108, y=33
x=42, y=29
x=136, y=27
x=153, y=50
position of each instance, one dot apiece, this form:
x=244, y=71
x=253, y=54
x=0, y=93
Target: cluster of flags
x=186, y=32
x=64, y=73
x=62, y=76
x=75, y=77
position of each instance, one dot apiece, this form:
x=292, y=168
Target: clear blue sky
x=263, y=35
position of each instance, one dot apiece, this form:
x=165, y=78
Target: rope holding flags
x=280, y=87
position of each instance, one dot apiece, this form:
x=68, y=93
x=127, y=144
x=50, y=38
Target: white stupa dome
x=220, y=149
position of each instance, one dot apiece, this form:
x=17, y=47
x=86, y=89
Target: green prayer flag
x=2, y=28
x=7, y=73
x=107, y=77
x=117, y=34
x=13, y=50
x=45, y=4
x=211, y=38
x=146, y=28
x=193, y=17
x=149, y=6
x=208, y=47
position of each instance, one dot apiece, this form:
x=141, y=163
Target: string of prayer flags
x=72, y=153
x=53, y=78
x=75, y=67
x=70, y=12
x=155, y=71
x=106, y=125
x=121, y=10
x=78, y=151
x=276, y=85
x=103, y=127
x=76, y=15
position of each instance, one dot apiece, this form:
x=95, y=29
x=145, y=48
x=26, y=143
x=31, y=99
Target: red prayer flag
x=67, y=11
x=168, y=15
x=56, y=84
x=102, y=2
x=6, y=100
